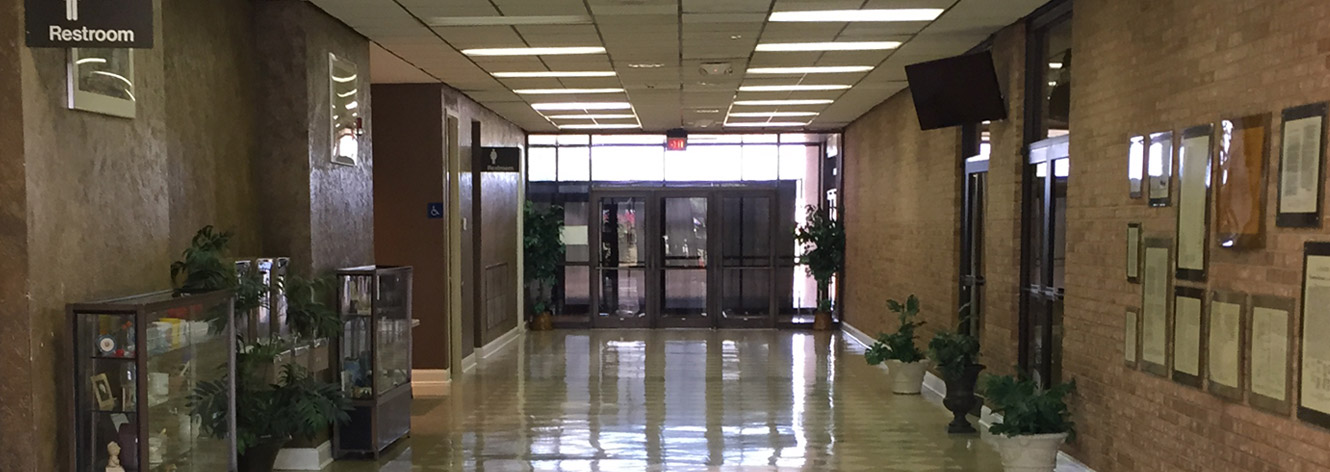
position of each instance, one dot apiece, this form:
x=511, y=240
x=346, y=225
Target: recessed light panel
x=592, y=117
x=759, y=124
x=771, y=114
x=533, y=51
x=553, y=74
x=835, y=16
x=567, y=91
x=601, y=126
x=583, y=106
x=791, y=88
x=510, y=20
x=777, y=103
x=830, y=46
x=810, y=70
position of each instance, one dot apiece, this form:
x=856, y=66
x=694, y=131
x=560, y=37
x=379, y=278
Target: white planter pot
x=1034, y=453
x=906, y=379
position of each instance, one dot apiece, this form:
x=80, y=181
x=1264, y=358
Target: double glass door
x=682, y=258
x=1045, y=260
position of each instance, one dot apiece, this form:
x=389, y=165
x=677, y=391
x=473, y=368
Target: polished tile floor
x=685, y=400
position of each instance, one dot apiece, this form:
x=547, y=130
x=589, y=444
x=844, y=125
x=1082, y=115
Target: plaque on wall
x=1160, y=167
x=1314, y=381
x=1240, y=182
x=1154, y=307
x=1188, y=311
x=1224, y=339
x=1134, y=252
x=1193, y=201
x=1136, y=167
x=1301, y=166
x=1271, y=324
x=1131, y=331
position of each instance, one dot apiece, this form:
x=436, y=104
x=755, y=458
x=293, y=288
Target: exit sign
x=676, y=140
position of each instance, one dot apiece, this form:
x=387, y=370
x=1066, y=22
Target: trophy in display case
x=374, y=357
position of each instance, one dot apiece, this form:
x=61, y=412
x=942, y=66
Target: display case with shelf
x=374, y=357
x=137, y=360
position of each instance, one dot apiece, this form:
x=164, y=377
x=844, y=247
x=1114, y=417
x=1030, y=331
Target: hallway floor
x=639, y=400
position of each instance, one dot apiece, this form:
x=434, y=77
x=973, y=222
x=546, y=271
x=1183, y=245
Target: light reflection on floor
x=638, y=400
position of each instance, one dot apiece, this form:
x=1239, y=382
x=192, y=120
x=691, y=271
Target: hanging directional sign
x=500, y=159
x=89, y=23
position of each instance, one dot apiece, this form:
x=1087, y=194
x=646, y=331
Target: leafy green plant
x=823, y=241
x=544, y=251
x=202, y=269
x=1027, y=409
x=296, y=406
x=307, y=310
x=954, y=352
x=899, y=345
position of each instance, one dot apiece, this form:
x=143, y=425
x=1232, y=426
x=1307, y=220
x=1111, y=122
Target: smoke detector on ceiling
x=716, y=68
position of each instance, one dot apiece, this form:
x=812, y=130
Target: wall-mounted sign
x=89, y=23
x=435, y=211
x=499, y=159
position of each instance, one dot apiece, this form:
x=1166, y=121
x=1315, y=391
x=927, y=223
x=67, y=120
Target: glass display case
x=137, y=361
x=374, y=357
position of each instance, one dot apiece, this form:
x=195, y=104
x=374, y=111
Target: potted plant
x=311, y=320
x=202, y=269
x=544, y=250
x=274, y=405
x=906, y=363
x=1035, y=422
x=823, y=241
x=956, y=355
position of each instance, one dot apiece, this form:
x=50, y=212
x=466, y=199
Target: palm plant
x=544, y=250
x=823, y=241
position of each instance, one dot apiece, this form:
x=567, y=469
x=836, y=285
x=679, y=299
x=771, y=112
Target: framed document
x=1131, y=332
x=1188, y=311
x=1154, y=306
x=1160, y=167
x=1193, y=201
x=1301, y=166
x=1136, y=167
x=1314, y=385
x=1240, y=182
x=1134, y=252
x=1271, y=324
x=1224, y=339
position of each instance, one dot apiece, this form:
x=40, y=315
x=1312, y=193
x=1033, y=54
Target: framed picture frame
x=346, y=112
x=1133, y=252
x=1188, y=343
x=1301, y=166
x=101, y=80
x=1239, y=182
x=1136, y=167
x=1270, y=343
x=101, y=391
x=1314, y=359
x=1193, y=202
x=1159, y=167
x=1131, y=337
x=1224, y=342
x=1155, y=322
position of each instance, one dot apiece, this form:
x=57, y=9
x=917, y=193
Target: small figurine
x=113, y=464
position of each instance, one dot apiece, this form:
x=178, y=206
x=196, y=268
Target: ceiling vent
x=716, y=68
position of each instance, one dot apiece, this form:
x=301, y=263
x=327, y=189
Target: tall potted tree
x=906, y=362
x=956, y=355
x=1035, y=422
x=544, y=251
x=823, y=241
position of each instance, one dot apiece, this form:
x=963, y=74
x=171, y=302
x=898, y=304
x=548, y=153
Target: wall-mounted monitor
x=956, y=91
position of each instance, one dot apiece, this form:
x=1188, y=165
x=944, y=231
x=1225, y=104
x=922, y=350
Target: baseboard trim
x=305, y=458
x=934, y=384
x=430, y=382
x=500, y=342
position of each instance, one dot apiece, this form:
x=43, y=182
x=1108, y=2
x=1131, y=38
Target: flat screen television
x=956, y=90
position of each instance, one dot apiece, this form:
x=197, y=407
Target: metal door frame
x=972, y=243
x=773, y=220
x=1040, y=292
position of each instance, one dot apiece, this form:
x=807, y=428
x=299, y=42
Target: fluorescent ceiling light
x=893, y=14
x=810, y=70
x=566, y=91
x=510, y=20
x=592, y=117
x=760, y=124
x=602, y=126
x=533, y=51
x=583, y=106
x=553, y=74
x=776, y=103
x=765, y=114
x=829, y=46
x=791, y=88
x=646, y=65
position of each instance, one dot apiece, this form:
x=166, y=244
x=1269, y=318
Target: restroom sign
x=500, y=159
x=89, y=23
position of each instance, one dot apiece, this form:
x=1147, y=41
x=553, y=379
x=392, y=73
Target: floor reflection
x=679, y=400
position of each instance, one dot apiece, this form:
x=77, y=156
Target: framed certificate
x=1136, y=167
x=1188, y=313
x=1314, y=378
x=1154, y=306
x=1160, y=167
x=1244, y=145
x=1131, y=334
x=1224, y=342
x=1269, y=339
x=1134, y=252
x=1193, y=202
x=1301, y=166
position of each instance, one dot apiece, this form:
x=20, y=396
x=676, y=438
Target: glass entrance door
x=972, y=246
x=682, y=271
x=620, y=267
x=1045, y=260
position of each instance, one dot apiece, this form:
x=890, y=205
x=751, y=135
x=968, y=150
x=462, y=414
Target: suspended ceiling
x=657, y=48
